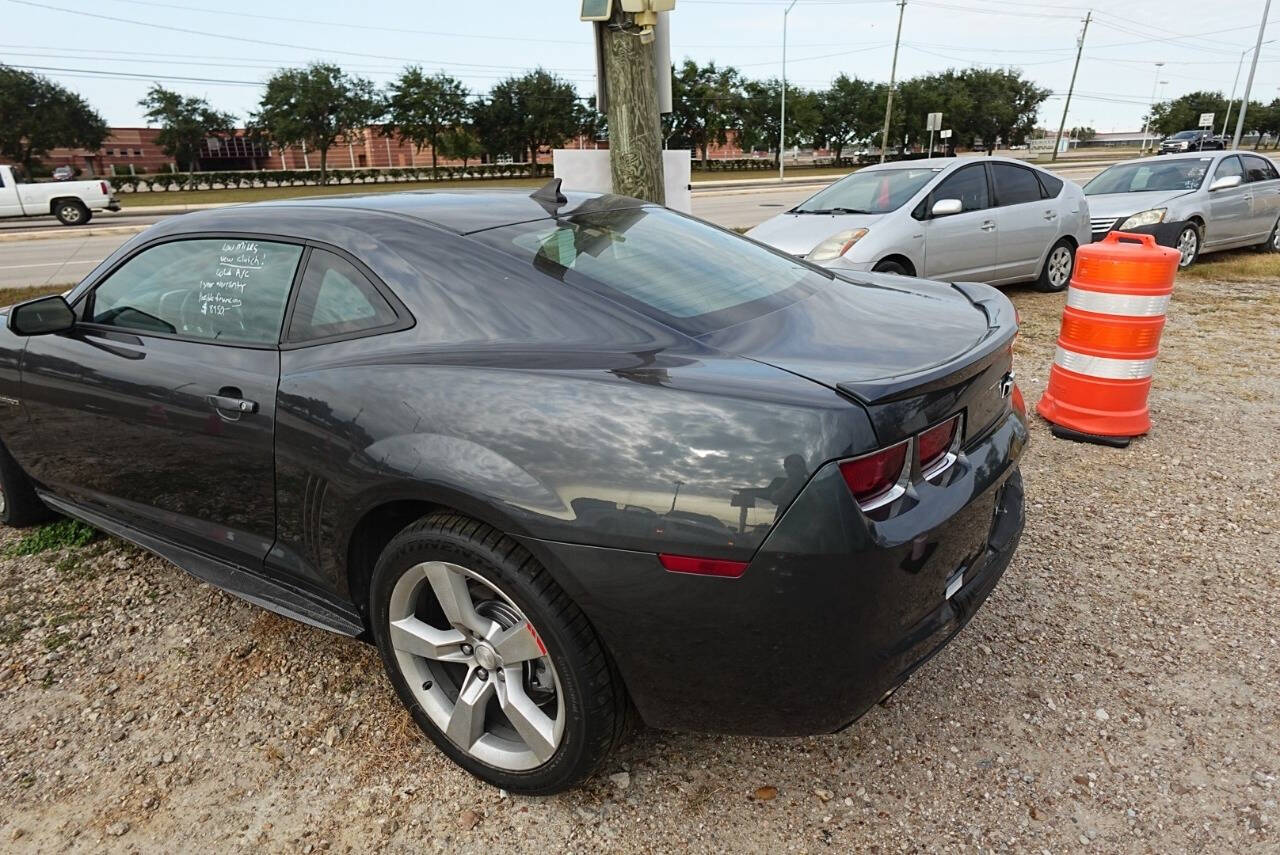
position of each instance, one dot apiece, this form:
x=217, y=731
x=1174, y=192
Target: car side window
x=215, y=289
x=1014, y=184
x=1259, y=168
x=969, y=185
x=1050, y=184
x=1228, y=167
x=335, y=298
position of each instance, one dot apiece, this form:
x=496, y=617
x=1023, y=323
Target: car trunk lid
x=912, y=352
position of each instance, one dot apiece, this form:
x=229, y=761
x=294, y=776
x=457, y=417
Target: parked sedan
x=993, y=220
x=556, y=455
x=1196, y=203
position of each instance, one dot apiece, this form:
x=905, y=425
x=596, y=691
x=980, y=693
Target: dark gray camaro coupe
x=559, y=457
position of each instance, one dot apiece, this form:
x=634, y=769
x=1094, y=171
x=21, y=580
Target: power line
x=249, y=40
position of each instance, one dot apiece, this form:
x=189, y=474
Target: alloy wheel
x=4, y=502
x=1188, y=244
x=1275, y=238
x=476, y=666
x=1060, y=267
x=71, y=214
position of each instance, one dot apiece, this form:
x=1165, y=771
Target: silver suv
x=990, y=219
x=1195, y=202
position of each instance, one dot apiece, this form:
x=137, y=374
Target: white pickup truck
x=72, y=202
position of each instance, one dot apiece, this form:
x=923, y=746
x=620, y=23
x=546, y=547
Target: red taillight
x=106, y=191
x=703, y=566
x=936, y=441
x=1019, y=403
x=873, y=475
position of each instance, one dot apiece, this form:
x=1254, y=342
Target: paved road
x=64, y=260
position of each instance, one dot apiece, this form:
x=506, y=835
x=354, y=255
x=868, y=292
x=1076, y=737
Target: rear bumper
x=833, y=612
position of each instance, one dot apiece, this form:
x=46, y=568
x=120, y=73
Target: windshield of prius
x=1143, y=177
x=874, y=191
x=688, y=274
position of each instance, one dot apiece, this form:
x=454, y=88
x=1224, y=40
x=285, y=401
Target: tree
x=705, y=106
x=1084, y=134
x=319, y=106
x=37, y=115
x=849, y=112
x=460, y=143
x=997, y=105
x=421, y=108
x=522, y=114
x=185, y=124
x=592, y=124
x=761, y=121
x=1183, y=113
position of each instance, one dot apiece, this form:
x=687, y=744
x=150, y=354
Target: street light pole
x=893, y=73
x=1152, y=107
x=1253, y=67
x=1234, y=84
x=782, y=120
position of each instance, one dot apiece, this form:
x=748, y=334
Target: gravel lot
x=1119, y=692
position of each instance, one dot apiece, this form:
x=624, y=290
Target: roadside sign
x=946, y=135
x=934, y=122
x=1206, y=120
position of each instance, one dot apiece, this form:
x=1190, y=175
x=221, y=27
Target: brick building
x=135, y=150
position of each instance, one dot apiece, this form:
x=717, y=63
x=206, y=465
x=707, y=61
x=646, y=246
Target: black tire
x=595, y=702
x=71, y=212
x=889, y=265
x=1052, y=276
x=1272, y=243
x=19, y=504
x=1192, y=237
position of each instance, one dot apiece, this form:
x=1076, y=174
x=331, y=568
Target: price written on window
x=224, y=292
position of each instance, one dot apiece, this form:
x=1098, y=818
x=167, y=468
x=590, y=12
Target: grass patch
x=1242, y=265
x=9, y=296
x=55, y=535
x=56, y=640
x=263, y=194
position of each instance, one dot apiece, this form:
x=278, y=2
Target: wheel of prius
x=1056, y=274
x=72, y=213
x=890, y=266
x=19, y=504
x=494, y=661
x=1272, y=243
x=1188, y=245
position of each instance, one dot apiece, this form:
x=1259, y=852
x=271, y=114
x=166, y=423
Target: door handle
x=1050, y=215
x=988, y=226
x=235, y=405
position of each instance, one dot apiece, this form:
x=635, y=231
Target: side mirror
x=947, y=207
x=1226, y=182
x=42, y=316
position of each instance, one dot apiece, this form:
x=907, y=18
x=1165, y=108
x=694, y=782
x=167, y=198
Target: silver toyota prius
x=1196, y=203
x=990, y=219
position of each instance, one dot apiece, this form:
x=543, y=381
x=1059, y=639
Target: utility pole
x=893, y=73
x=782, y=120
x=635, y=130
x=1253, y=67
x=1072, y=88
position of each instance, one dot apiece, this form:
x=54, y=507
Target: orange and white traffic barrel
x=1110, y=336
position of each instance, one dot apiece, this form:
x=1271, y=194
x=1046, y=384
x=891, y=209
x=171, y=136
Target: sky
x=111, y=51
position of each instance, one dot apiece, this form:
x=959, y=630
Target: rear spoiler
x=1002, y=326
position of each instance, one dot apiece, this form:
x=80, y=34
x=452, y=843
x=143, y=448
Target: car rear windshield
x=1142, y=177
x=688, y=274
x=874, y=191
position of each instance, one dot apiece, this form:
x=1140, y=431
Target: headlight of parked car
x=1144, y=218
x=836, y=245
